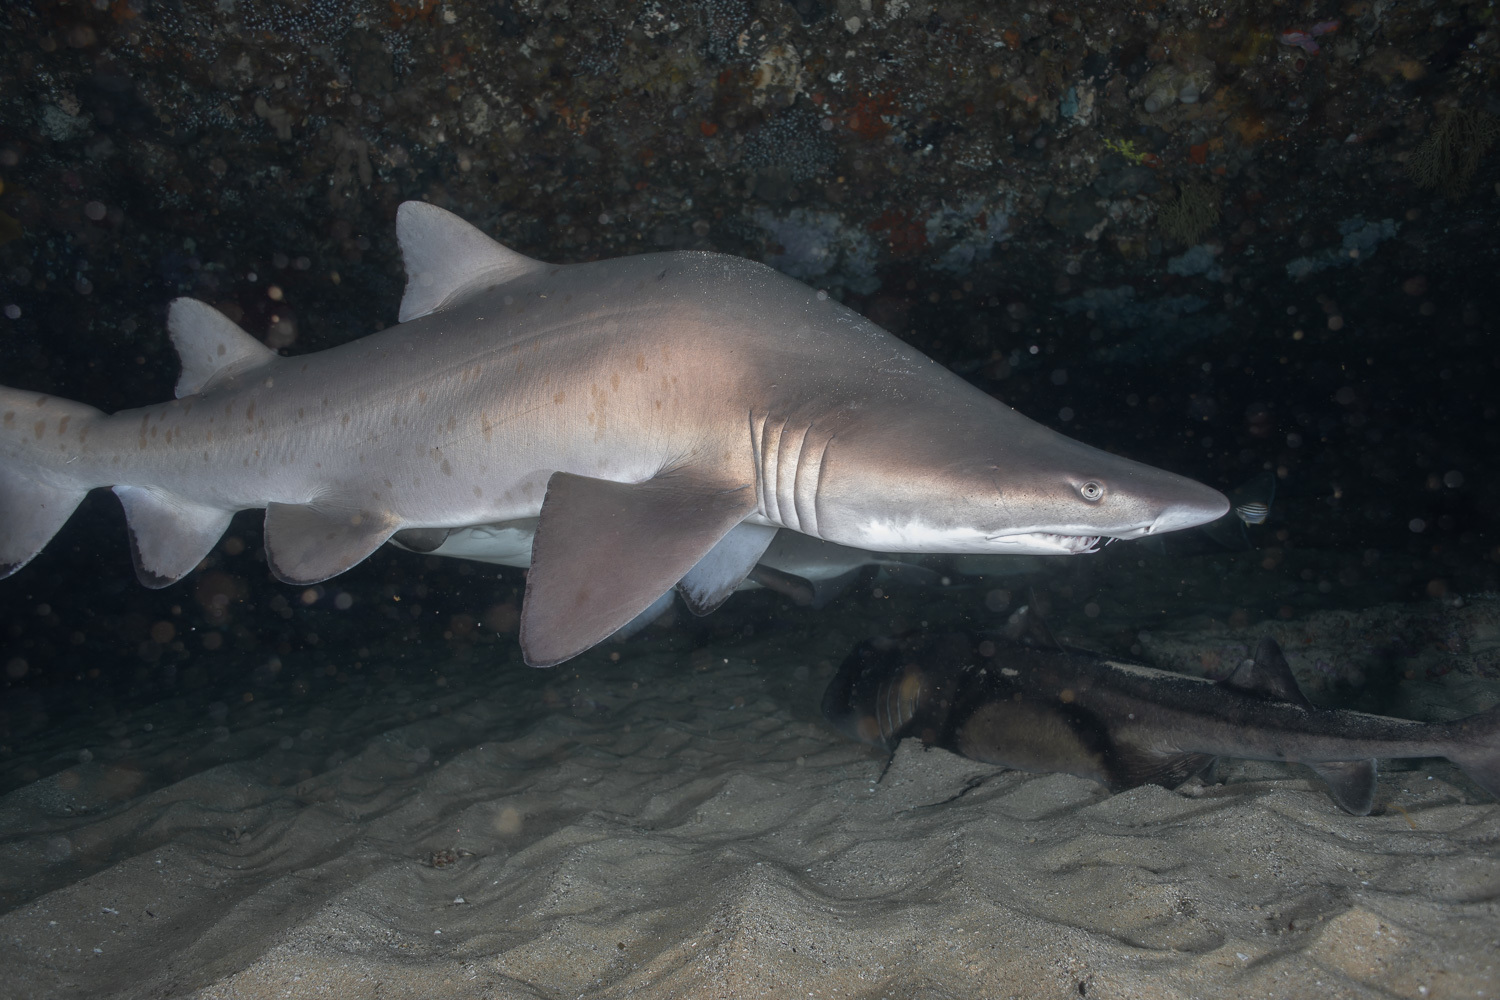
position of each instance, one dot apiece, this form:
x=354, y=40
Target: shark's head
x=1004, y=484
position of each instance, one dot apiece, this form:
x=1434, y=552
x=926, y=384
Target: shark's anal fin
x=308, y=543
x=1267, y=676
x=447, y=259
x=1350, y=782
x=710, y=582
x=211, y=347
x=169, y=536
x=604, y=551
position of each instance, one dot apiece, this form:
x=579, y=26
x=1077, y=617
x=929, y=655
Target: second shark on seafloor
x=1035, y=708
x=660, y=416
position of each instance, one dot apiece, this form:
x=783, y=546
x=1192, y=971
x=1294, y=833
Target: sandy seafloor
x=677, y=822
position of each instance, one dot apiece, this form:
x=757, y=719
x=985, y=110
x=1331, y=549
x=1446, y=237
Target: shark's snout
x=1190, y=515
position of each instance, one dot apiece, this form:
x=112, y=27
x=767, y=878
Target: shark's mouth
x=1047, y=543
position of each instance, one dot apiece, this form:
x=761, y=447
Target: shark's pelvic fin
x=604, y=551
x=709, y=583
x=169, y=536
x=211, y=347
x=308, y=543
x=447, y=259
x=1267, y=676
x=1350, y=782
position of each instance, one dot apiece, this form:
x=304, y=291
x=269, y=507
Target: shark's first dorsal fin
x=210, y=346
x=447, y=259
x=1267, y=676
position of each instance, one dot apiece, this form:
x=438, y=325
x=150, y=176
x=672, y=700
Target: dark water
x=992, y=187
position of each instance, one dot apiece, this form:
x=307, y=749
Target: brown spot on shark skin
x=222, y=350
x=421, y=395
x=452, y=423
x=40, y=428
x=62, y=425
x=10, y=417
x=447, y=469
x=640, y=362
x=345, y=421
x=250, y=411
x=559, y=397
x=486, y=428
x=478, y=492
x=614, y=382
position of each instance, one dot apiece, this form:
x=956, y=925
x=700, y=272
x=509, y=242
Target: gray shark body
x=1124, y=724
x=659, y=416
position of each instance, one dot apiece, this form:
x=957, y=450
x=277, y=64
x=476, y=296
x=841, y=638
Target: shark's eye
x=1092, y=491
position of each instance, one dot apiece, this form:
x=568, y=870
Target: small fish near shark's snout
x=1124, y=724
x=656, y=418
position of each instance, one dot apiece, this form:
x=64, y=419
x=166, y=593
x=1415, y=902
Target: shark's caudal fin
x=38, y=436
x=1478, y=748
x=41, y=437
x=447, y=259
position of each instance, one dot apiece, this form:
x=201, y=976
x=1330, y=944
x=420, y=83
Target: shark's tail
x=1477, y=748
x=38, y=436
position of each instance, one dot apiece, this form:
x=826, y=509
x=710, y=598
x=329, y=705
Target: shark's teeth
x=1046, y=542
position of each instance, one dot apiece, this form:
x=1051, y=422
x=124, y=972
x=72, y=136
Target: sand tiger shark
x=661, y=416
x=1123, y=724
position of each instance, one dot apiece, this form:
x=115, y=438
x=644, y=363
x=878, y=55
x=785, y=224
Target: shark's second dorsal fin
x=447, y=259
x=210, y=346
x=1267, y=676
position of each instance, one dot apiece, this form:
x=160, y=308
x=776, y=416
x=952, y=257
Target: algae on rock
x=1194, y=212
x=1450, y=154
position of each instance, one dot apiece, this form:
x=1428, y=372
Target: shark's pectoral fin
x=211, y=346
x=709, y=583
x=1350, y=782
x=447, y=259
x=1267, y=676
x=169, y=536
x=604, y=551
x=308, y=543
